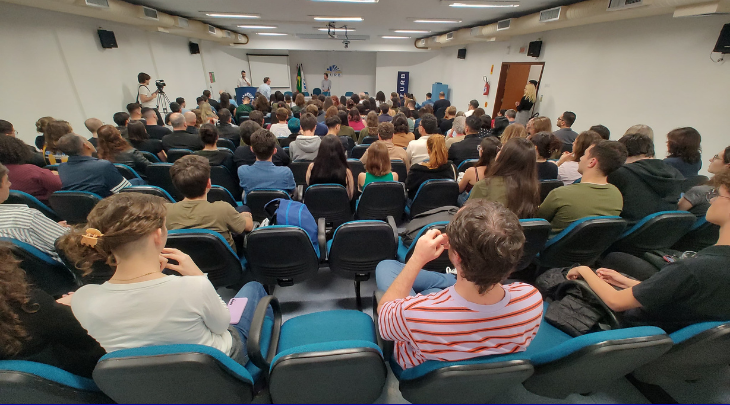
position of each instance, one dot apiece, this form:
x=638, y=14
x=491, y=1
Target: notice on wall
x=212, y=77
x=403, y=79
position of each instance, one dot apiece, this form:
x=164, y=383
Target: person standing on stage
x=326, y=83
x=243, y=81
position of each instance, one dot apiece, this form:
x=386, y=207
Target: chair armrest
x=385, y=345
x=394, y=227
x=254, y=338
x=561, y=291
x=322, y=239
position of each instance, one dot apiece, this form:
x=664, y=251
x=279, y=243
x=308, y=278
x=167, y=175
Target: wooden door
x=514, y=86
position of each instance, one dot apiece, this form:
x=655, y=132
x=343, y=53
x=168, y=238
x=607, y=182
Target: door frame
x=503, y=79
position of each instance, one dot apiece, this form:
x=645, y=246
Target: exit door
x=512, y=80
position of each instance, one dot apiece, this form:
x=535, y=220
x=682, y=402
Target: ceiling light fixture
x=271, y=34
x=257, y=27
x=393, y=37
x=436, y=21
x=224, y=15
x=335, y=29
x=411, y=31
x=483, y=5
x=338, y=18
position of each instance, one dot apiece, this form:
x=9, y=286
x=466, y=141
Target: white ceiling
x=294, y=17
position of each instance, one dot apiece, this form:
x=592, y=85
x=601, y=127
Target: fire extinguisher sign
x=403, y=78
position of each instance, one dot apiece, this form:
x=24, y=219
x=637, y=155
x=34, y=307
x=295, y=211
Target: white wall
x=654, y=71
x=358, y=70
x=54, y=65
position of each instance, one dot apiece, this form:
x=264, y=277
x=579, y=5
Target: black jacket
x=419, y=173
x=466, y=149
x=648, y=186
x=134, y=159
x=230, y=132
x=157, y=131
x=182, y=140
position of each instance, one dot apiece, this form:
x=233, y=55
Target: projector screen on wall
x=276, y=67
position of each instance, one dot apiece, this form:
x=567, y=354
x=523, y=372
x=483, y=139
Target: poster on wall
x=403, y=78
x=212, y=77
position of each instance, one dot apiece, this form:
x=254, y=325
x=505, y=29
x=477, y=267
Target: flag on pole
x=299, y=78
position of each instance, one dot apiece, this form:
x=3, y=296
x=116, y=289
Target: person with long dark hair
x=25, y=177
x=379, y=99
x=139, y=138
x=114, y=148
x=330, y=165
x=354, y=119
x=694, y=200
x=512, y=180
x=546, y=145
x=684, y=151
x=488, y=150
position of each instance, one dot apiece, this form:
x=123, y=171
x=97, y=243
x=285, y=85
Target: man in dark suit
x=179, y=138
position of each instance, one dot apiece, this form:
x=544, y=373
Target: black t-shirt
x=441, y=103
x=55, y=337
x=219, y=158
x=446, y=125
x=182, y=140
x=466, y=149
x=153, y=146
x=687, y=292
x=157, y=131
x=547, y=171
x=244, y=156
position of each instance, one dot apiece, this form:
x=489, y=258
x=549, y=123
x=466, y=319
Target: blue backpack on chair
x=293, y=213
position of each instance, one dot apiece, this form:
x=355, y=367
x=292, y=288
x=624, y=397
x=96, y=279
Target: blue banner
x=403, y=78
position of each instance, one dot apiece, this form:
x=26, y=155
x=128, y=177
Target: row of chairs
x=339, y=357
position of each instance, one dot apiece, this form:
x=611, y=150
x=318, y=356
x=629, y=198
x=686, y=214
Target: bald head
x=190, y=118
x=177, y=121
x=93, y=125
x=150, y=116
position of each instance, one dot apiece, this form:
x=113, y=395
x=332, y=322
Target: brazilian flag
x=299, y=78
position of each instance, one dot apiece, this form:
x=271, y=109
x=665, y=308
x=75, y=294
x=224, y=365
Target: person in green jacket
x=244, y=109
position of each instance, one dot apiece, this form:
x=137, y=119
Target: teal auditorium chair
x=582, y=242
x=29, y=382
x=439, y=265
x=546, y=186
x=382, y=199
x=657, y=231
x=19, y=197
x=152, y=190
x=328, y=201
x=73, y=206
x=466, y=164
x=158, y=174
x=323, y=357
x=702, y=234
x=211, y=252
x=150, y=156
x=316, y=91
x=175, y=154
x=221, y=176
x=42, y=270
x=220, y=193
x=256, y=200
x=432, y=194
x=398, y=166
x=536, y=233
x=127, y=172
x=358, y=151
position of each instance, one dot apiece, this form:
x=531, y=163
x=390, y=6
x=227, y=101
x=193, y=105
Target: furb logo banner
x=403, y=78
x=334, y=71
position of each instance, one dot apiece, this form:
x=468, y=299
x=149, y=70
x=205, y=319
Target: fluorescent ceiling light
x=226, y=15
x=349, y=1
x=338, y=18
x=335, y=29
x=393, y=37
x=411, y=31
x=257, y=27
x=436, y=21
x=271, y=34
x=483, y=5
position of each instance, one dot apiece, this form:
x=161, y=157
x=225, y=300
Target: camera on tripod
x=160, y=84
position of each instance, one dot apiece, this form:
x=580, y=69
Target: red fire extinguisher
x=486, y=87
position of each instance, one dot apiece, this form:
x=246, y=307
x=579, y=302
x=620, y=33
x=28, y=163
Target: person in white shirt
x=146, y=97
x=243, y=81
x=418, y=150
x=326, y=83
x=140, y=306
x=265, y=88
x=281, y=129
x=473, y=105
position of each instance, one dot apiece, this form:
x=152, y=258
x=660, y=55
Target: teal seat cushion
x=50, y=373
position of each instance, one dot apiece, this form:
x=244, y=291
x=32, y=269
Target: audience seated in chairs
x=684, y=152
x=139, y=138
x=129, y=230
x=437, y=166
x=689, y=291
x=371, y=127
x=40, y=127
x=565, y=134
x=121, y=118
x=377, y=167
x=602, y=131
x=448, y=121
x=83, y=172
x=330, y=165
x=193, y=120
x=244, y=108
x=37, y=328
x=402, y=135
x=513, y=131
x=152, y=127
x=488, y=150
x=181, y=138
x=93, y=125
x=512, y=180
x=648, y=185
x=114, y=148
x=345, y=129
x=299, y=103
x=28, y=178
x=333, y=128
x=54, y=131
x=457, y=131
x=593, y=196
x=227, y=130
x=695, y=200
x=547, y=145
x=25, y=224
x=306, y=146
x=36, y=158
x=417, y=149
x=216, y=157
x=354, y=119
x=281, y=129
x=263, y=174
x=191, y=176
x=568, y=163
x=485, y=243
x=466, y=147
x=385, y=135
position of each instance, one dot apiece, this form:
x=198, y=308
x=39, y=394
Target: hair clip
x=91, y=238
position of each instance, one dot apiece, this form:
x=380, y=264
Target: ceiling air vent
x=149, y=13
x=241, y=37
x=504, y=24
x=422, y=42
x=449, y=36
x=476, y=31
x=211, y=29
x=551, y=14
x=97, y=3
x=614, y=5
x=228, y=34
x=182, y=22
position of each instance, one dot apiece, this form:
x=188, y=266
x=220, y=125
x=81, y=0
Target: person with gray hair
x=180, y=138
x=83, y=172
x=457, y=132
x=511, y=115
x=640, y=129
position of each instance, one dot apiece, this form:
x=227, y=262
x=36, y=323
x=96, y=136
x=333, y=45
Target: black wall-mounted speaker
x=107, y=39
x=723, y=42
x=194, y=48
x=461, y=54
x=534, y=49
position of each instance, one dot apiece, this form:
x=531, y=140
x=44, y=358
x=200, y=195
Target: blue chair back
x=316, y=91
x=37, y=383
x=328, y=201
x=158, y=174
x=655, y=232
x=546, y=186
x=42, y=270
x=150, y=156
x=220, y=193
x=439, y=265
x=221, y=176
x=19, y=197
x=398, y=166
x=182, y=373
x=536, y=233
x=299, y=170
x=356, y=167
x=382, y=199
x=358, y=151
x=127, y=172
x=152, y=190
x=211, y=252
x=466, y=164
x=702, y=234
x=581, y=242
x=369, y=140
x=256, y=200
x=73, y=206
x=349, y=94
x=281, y=255
x=175, y=154
x=226, y=143
x=432, y=194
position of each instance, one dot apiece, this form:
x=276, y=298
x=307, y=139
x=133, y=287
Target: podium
x=242, y=91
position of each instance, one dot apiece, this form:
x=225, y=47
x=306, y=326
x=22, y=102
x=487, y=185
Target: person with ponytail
x=35, y=327
x=437, y=166
x=140, y=305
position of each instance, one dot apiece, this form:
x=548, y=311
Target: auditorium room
x=364, y=201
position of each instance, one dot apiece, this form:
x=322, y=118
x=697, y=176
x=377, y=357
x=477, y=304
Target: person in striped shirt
x=464, y=316
x=26, y=224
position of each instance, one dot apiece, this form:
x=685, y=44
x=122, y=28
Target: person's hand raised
x=430, y=246
x=186, y=266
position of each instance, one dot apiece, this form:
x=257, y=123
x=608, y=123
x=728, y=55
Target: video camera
x=160, y=84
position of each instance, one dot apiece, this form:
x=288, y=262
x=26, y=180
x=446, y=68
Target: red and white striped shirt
x=444, y=326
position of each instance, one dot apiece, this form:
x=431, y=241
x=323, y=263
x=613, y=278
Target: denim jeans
x=255, y=292
x=427, y=282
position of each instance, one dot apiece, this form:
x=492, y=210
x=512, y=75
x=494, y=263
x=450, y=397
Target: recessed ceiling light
x=271, y=34
x=257, y=27
x=411, y=31
x=338, y=18
x=226, y=15
x=483, y=5
x=350, y=1
x=436, y=21
x=393, y=37
x=336, y=29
